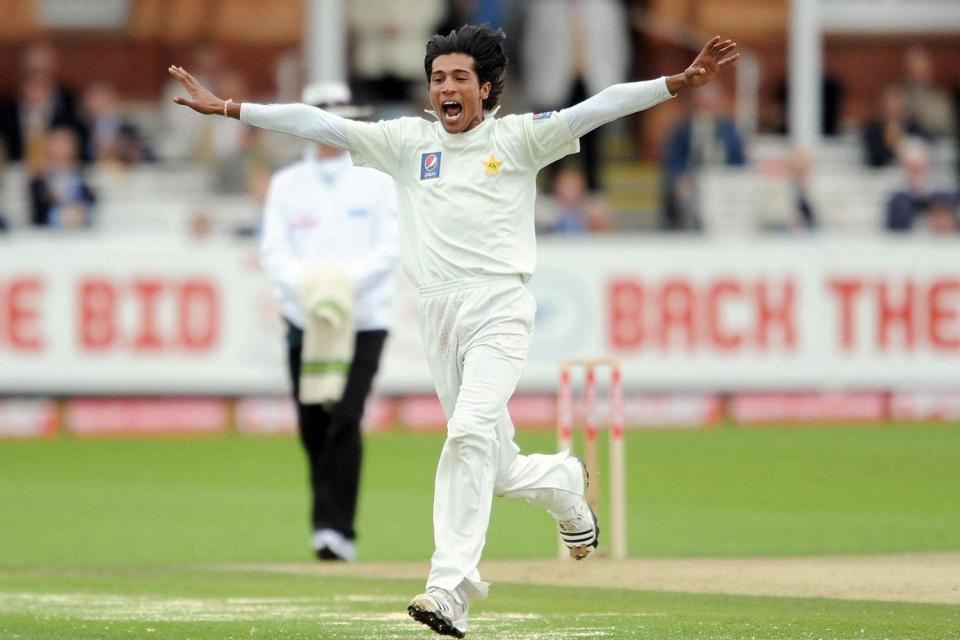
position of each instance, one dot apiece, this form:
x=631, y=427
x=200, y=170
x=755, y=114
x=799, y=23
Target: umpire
x=324, y=211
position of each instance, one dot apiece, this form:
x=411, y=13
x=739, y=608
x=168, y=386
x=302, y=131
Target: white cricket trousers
x=476, y=333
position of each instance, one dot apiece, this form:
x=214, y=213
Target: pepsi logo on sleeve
x=430, y=165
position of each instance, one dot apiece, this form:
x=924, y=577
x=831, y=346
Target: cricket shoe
x=578, y=525
x=443, y=611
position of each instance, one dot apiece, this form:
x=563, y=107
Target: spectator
x=388, y=42
x=496, y=13
x=705, y=138
x=499, y=14
x=956, y=127
x=941, y=217
x=800, y=167
x=181, y=132
x=258, y=185
x=883, y=134
x=40, y=104
x=60, y=198
x=573, y=49
x=784, y=198
x=928, y=104
x=4, y=226
x=111, y=138
x=832, y=96
x=906, y=205
x=200, y=225
x=233, y=149
x=570, y=209
x=460, y=12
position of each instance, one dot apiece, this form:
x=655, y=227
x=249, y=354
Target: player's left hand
x=716, y=54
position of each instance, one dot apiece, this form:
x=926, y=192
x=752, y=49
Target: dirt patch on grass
x=909, y=577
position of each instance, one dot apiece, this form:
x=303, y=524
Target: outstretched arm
x=623, y=99
x=299, y=120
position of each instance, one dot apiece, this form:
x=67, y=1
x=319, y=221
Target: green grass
x=705, y=493
x=109, y=538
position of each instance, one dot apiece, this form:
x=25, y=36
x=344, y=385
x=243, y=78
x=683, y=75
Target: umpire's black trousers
x=331, y=439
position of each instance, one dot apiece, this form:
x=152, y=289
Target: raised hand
x=201, y=99
x=716, y=54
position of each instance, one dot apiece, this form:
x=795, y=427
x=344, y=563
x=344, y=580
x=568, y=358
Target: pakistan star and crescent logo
x=492, y=165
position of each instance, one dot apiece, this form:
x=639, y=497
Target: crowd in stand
x=54, y=133
x=566, y=50
x=910, y=117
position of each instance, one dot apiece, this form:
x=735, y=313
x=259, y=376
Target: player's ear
x=485, y=90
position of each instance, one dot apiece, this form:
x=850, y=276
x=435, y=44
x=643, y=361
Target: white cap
x=326, y=94
x=334, y=97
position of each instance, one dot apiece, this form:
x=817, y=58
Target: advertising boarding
x=94, y=315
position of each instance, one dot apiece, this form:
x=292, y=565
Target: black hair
x=482, y=44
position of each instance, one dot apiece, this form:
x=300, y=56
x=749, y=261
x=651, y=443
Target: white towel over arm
x=326, y=296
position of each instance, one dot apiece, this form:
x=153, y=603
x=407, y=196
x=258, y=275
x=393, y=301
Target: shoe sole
x=581, y=551
x=434, y=620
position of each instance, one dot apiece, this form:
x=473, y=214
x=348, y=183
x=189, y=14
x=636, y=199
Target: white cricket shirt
x=465, y=200
x=327, y=211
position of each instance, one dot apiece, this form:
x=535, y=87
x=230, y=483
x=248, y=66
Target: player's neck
x=476, y=121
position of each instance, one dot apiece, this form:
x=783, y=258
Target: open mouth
x=451, y=111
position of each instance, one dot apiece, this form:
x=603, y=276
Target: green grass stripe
x=723, y=492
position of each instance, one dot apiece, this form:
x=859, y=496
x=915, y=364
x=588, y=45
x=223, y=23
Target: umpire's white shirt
x=327, y=211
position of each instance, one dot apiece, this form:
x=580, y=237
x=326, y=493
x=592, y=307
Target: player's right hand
x=201, y=99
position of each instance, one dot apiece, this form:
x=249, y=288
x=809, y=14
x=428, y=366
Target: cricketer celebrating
x=466, y=187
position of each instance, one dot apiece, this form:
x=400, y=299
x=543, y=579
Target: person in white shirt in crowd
x=324, y=211
x=386, y=41
x=466, y=188
x=927, y=102
x=573, y=49
x=183, y=137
